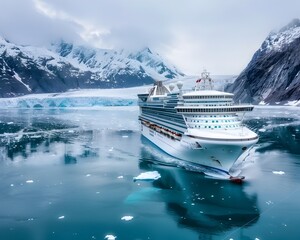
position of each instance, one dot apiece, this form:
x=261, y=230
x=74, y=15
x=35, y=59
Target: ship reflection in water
x=205, y=205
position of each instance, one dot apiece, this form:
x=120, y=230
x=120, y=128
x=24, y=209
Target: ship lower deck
x=211, y=153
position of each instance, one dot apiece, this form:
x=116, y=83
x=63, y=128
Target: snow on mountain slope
x=110, y=62
x=276, y=41
x=64, y=66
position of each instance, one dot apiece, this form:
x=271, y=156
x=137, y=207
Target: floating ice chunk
x=120, y=177
x=279, y=172
x=124, y=136
x=110, y=237
x=111, y=149
x=262, y=130
x=147, y=176
x=9, y=123
x=12, y=185
x=88, y=175
x=29, y=181
x=127, y=218
x=61, y=217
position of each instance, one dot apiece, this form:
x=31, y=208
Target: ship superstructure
x=202, y=126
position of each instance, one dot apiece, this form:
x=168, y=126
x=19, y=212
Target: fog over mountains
x=64, y=66
x=273, y=74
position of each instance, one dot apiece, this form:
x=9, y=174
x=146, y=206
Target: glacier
x=75, y=98
x=96, y=97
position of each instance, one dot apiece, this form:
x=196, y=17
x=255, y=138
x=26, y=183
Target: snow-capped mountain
x=64, y=66
x=273, y=74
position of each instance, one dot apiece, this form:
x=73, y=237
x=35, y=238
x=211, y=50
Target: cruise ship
x=201, y=126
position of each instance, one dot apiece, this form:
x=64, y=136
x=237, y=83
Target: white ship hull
x=218, y=155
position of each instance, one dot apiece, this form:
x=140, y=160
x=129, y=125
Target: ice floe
x=262, y=130
x=127, y=218
x=146, y=176
x=279, y=172
x=61, y=217
x=110, y=237
x=29, y=181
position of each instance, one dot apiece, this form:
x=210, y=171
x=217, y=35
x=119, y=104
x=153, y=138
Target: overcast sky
x=219, y=35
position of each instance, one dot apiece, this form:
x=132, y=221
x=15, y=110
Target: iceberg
x=146, y=176
x=110, y=237
x=127, y=218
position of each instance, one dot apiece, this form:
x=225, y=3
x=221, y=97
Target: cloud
x=218, y=35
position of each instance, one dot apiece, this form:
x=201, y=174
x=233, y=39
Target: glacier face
x=64, y=102
x=76, y=98
x=97, y=97
x=273, y=74
x=64, y=66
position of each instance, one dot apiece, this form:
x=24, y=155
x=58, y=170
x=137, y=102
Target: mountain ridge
x=64, y=66
x=272, y=76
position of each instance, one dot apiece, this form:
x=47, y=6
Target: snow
x=293, y=103
x=277, y=40
x=107, y=62
x=19, y=79
x=147, y=176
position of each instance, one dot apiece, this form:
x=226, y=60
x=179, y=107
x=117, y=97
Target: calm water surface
x=68, y=174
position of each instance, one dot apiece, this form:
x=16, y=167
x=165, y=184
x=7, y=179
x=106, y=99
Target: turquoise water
x=68, y=174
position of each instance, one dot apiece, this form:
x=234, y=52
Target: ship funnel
x=171, y=87
x=179, y=85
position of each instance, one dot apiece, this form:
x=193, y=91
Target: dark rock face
x=25, y=69
x=273, y=74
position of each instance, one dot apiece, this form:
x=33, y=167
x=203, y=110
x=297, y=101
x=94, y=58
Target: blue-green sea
x=68, y=174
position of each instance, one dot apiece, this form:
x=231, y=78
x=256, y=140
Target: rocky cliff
x=273, y=74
